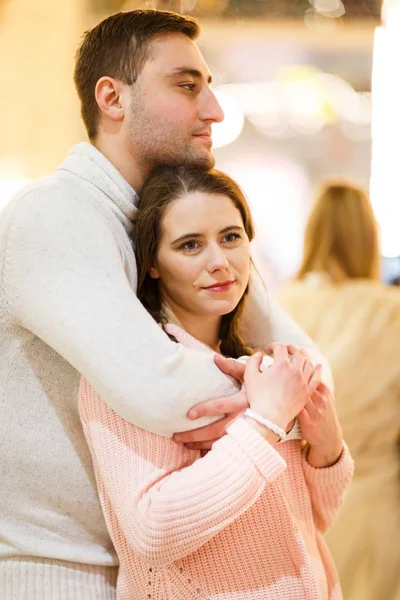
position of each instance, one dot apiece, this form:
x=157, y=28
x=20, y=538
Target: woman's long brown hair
x=164, y=185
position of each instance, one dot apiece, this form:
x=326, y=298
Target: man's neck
x=127, y=164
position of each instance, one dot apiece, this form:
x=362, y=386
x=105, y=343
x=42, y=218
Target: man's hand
x=229, y=407
x=321, y=428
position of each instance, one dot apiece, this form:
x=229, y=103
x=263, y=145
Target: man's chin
x=199, y=157
x=205, y=160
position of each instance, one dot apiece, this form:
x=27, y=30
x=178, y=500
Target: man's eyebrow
x=189, y=71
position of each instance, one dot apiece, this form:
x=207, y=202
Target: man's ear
x=154, y=272
x=109, y=97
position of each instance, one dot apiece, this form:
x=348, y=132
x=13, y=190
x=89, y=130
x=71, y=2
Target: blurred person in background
x=337, y=297
x=68, y=306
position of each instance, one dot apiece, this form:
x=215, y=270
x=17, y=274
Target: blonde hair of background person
x=341, y=236
x=338, y=299
x=68, y=305
x=245, y=520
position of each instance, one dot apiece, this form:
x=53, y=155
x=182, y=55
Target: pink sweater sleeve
x=327, y=488
x=168, y=501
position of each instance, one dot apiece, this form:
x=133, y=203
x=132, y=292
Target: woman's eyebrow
x=230, y=227
x=186, y=236
x=199, y=235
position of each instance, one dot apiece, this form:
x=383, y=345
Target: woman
x=245, y=520
x=338, y=299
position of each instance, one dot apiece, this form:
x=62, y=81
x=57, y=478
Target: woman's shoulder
x=315, y=284
x=381, y=296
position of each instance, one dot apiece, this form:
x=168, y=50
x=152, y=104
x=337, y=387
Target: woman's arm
x=168, y=504
x=327, y=487
x=327, y=464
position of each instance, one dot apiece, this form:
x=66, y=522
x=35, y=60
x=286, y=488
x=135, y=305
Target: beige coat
x=357, y=327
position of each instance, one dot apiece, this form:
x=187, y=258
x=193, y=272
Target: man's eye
x=189, y=86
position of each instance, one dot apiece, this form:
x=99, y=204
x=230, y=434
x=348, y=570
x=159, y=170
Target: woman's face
x=203, y=257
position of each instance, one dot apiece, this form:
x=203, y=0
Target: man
x=67, y=306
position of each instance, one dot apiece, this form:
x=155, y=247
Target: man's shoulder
x=47, y=187
x=48, y=196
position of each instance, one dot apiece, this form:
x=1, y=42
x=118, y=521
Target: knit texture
x=242, y=523
x=68, y=307
x=41, y=579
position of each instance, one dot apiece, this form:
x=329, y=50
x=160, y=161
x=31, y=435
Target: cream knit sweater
x=67, y=306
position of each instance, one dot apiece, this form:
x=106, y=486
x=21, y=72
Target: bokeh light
x=229, y=129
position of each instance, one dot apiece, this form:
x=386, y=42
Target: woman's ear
x=154, y=272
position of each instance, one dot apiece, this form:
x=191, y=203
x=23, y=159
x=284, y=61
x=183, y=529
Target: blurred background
x=307, y=88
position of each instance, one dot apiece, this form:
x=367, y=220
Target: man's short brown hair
x=118, y=47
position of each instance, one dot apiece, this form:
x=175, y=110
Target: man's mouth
x=205, y=136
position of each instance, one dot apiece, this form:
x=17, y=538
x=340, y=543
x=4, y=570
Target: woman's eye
x=231, y=237
x=191, y=245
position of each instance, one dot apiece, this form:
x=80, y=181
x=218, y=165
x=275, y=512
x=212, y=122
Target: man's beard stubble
x=155, y=149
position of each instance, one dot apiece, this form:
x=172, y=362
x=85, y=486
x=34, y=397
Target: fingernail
x=193, y=414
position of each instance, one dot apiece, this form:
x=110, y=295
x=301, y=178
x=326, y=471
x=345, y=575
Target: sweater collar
x=88, y=163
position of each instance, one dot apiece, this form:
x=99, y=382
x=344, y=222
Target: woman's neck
x=332, y=272
x=204, y=328
x=336, y=273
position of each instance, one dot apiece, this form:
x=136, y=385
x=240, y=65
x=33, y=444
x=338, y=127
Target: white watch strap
x=249, y=412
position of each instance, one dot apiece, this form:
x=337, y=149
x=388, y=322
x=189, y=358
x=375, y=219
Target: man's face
x=172, y=106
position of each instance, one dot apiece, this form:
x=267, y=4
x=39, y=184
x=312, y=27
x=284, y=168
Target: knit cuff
x=37, y=578
x=326, y=476
x=267, y=460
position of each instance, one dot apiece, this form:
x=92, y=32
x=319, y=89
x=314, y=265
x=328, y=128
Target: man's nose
x=211, y=109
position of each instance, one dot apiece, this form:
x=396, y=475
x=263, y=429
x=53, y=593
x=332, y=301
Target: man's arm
x=65, y=281
x=264, y=322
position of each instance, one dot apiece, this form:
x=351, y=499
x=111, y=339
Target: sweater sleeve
x=174, y=501
x=327, y=487
x=264, y=322
x=64, y=279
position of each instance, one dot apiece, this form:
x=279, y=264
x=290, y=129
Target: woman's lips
x=225, y=286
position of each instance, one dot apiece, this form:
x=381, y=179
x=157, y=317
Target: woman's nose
x=217, y=259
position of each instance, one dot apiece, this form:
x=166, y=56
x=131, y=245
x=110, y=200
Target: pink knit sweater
x=244, y=522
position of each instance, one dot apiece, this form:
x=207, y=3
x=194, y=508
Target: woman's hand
x=321, y=428
x=280, y=392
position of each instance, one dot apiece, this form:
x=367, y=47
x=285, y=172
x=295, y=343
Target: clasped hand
x=290, y=387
